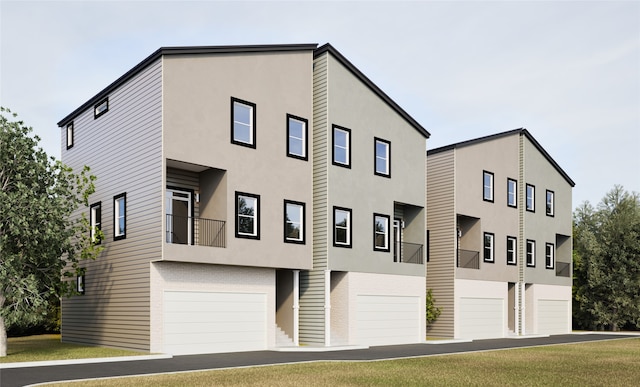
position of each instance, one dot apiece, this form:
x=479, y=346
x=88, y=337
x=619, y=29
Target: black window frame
x=305, y=144
x=254, y=123
x=515, y=192
x=70, y=138
x=302, y=222
x=492, y=252
x=515, y=250
x=532, y=253
x=533, y=198
x=98, y=222
x=387, y=233
x=349, y=228
x=546, y=256
x=256, y=216
x=104, y=101
x=493, y=186
x=551, y=213
x=333, y=146
x=117, y=237
x=81, y=284
x=375, y=157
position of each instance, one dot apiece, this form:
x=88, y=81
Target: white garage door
x=208, y=322
x=385, y=320
x=481, y=318
x=553, y=317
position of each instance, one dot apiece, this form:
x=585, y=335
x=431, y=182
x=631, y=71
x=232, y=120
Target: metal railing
x=408, y=253
x=196, y=231
x=563, y=269
x=468, y=259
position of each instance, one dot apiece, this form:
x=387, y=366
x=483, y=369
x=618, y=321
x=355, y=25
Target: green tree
x=607, y=262
x=433, y=312
x=40, y=243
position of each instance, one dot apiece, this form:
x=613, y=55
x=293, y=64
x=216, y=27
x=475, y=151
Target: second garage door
x=386, y=320
x=208, y=322
x=481, y=318
x=553, y=317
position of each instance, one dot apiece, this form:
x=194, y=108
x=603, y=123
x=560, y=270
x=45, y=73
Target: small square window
x=70, y=135
x=550, y=201
x=297, y=137
x=489, y=250
x=120, y=216
x=531, y=253
x=247, y=215
x=80, y=284
x=100, y=108
x=381, y=232
x=531, y=198
x=342, y=227
x=382, y=157
x=95, y=222
x=549, y=255
x=512, y=193
x=243, y=123
x=512, y=252
x=294, y=222
x=487, y=186
x=341, y=146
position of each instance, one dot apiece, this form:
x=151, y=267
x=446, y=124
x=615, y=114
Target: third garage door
x=481, y=318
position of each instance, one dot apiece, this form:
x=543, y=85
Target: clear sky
x=567, y=71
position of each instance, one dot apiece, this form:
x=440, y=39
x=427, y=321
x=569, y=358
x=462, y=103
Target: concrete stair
x=282, y=339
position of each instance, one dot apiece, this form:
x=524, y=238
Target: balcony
x=408, y=253
x=563, y=269
x=468, y=259
x=196, y=231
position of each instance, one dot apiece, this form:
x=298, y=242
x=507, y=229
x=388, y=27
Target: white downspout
x=327, y=308
x=296, y=307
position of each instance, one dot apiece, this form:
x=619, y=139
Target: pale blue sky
x=568, y=71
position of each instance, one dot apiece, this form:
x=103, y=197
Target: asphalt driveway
x=39, y=374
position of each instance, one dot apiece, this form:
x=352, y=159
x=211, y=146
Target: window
x=294, y=228
x=297, y=137
x=120, y=216
x=531, y=198
x=550, y=203
x=512, y=193
x=243, y=123
x=95, y=222
x=531, y=253
x=381, y=232
x=342, y=227
x=487, y=186
x=247, y=215
x=100, y=108
x=70, y=135
x=512, y=255
x=549, y=255
x=80, y=284
x=341, y=146
x=489, y=247
x=382, y=157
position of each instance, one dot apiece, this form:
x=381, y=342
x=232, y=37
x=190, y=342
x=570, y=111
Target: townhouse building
x=499, y=223
x=249, y=197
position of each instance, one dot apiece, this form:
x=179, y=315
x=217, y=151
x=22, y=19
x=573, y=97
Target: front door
x=178, y=206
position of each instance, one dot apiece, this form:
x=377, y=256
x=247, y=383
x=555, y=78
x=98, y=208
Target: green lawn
x=604, y=363
x=49, y=347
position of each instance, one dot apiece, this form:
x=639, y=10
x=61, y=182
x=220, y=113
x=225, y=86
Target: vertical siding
x=124, y=149
x=312, y=289
x=522, y=241
x=441, y=220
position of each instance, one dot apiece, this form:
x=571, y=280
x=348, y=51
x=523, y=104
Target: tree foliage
x=433, y=312
x=607, y=262
x=39, y=242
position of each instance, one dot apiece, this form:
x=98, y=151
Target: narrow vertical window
x=243, y=123
x=247, y=215
x=512, y=193
x=100, y=108
x=531, y=198
x=382, y=157
x=487, y=186
x=80, y=284
x=294, y=222
x=531, y=253
x=341, y=227
x=70, y=135
x=341, y=146
x=512, y=255
x=381, y=232
x=120, y=216
x=550, y=210
x=297, y=137
x=549, y=255
x=489, y=247
x=95, y=222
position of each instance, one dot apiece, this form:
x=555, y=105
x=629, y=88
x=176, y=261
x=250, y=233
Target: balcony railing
x=563, y=269
x=196, y=231
x=408, y=253
x=468, y=259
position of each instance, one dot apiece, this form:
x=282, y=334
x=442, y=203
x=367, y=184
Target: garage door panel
x=208, y=322
x=481, y=318
x=553, y=316
x=383, y=320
